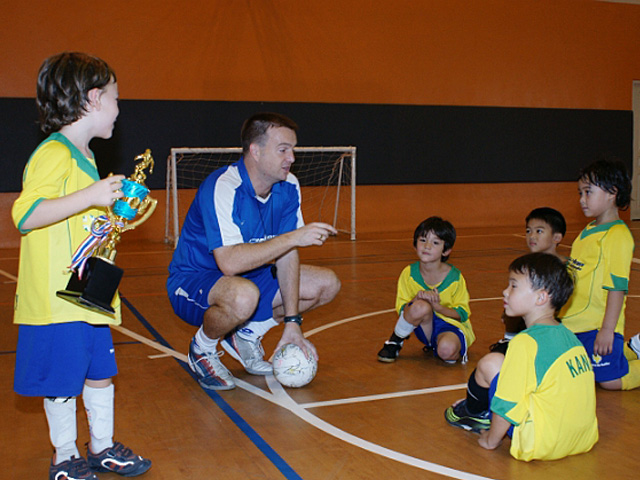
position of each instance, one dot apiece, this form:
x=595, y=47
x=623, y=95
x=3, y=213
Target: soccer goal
x=327, y=177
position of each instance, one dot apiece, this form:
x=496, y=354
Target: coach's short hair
x=546, y=272
x=551, y=217
x=255, y=128
x=441, y=228
x=64, y=82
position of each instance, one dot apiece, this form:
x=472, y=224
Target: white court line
x=8, y=275
x=287, y=402
x=280, y=397
x=384, y=396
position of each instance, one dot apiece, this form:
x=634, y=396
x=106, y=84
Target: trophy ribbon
x=100, y=228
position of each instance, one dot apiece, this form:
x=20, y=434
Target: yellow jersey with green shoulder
x=600, y=262
x=452, y=290
x=546, y=389
x=55, y=169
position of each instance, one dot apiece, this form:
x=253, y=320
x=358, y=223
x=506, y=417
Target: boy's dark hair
x=551, y=217
x=255, y=128
x=611, y=175
x=440, y=228
x=64, y=82
x=547, y=272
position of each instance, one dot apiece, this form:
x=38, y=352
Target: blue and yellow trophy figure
x=95, y=276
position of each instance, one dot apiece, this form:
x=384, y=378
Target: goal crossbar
x=326, y=175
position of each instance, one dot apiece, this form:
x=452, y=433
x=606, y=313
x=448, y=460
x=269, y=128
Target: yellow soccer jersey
x=453, y=294
x=600, y=261
x=55, y=169
x=546, y=389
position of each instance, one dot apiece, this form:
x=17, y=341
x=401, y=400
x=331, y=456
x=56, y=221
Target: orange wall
x=387, y=208
x=532, y=53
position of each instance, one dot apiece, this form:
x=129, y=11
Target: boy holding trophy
x=64, y=350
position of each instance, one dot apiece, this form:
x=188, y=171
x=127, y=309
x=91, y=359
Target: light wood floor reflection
x=359, y=418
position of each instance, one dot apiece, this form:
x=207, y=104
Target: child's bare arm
x=101, y=193
x=603, y=344
x=492, y=438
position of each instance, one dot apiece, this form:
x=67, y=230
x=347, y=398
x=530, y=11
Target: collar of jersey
x=83, y=162
x=592, y=228
x=451, y=277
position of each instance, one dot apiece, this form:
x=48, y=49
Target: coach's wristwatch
x=293, y=319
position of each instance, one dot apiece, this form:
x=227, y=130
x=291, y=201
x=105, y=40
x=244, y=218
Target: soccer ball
x=292, y=368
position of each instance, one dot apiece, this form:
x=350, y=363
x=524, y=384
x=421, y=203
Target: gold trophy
x=95, y=276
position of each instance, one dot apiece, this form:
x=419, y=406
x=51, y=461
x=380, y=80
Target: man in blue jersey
x=236, y=271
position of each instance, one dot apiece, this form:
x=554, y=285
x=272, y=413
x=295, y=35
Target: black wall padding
x=397, y=144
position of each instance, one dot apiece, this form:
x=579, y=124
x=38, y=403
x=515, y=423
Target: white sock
x=98, y=403
x=205, y=343
x=256, y=330
x=403, y=328
x=61, y=417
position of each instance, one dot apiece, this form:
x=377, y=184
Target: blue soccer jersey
x=227, y=211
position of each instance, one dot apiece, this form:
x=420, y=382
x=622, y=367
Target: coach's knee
x=329, y=286
x=243, y=300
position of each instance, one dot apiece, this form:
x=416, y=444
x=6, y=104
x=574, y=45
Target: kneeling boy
x=432, y=298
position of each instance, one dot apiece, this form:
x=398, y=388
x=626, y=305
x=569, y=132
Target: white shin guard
x=98, y=403
x=63, y=432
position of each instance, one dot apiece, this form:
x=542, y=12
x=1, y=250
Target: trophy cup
x=95, y=276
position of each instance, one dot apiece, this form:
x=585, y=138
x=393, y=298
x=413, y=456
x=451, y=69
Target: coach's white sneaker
x=634, y=344
x=249, y=353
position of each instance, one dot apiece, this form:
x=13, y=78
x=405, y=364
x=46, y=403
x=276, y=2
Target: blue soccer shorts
x=606, y=367
x=189, y=294
x=440, y=326
x=55, y=360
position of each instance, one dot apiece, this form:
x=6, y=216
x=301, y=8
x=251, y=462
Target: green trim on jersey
x=589, y=230
x=27, y=214
x=619, y=284
x=82, y=162
x=452, y=277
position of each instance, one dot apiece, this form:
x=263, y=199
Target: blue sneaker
x=76, y=468
x=459, y=416
x=212, y=374
x=118, y=459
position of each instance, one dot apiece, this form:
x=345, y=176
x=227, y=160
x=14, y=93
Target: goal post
x=327, y=177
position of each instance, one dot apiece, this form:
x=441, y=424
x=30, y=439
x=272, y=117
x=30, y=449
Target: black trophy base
x=97, y=287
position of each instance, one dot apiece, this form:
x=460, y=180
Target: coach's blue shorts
x=607, y=367
x=55, y=360
x=189, y=294
x=440, y=326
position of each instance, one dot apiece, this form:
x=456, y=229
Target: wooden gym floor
x=359, y=418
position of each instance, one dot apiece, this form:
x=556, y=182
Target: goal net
x=327, y=177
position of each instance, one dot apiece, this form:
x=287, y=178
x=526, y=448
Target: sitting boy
x=432, y=298
x=545, y=229
x=541, y=392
